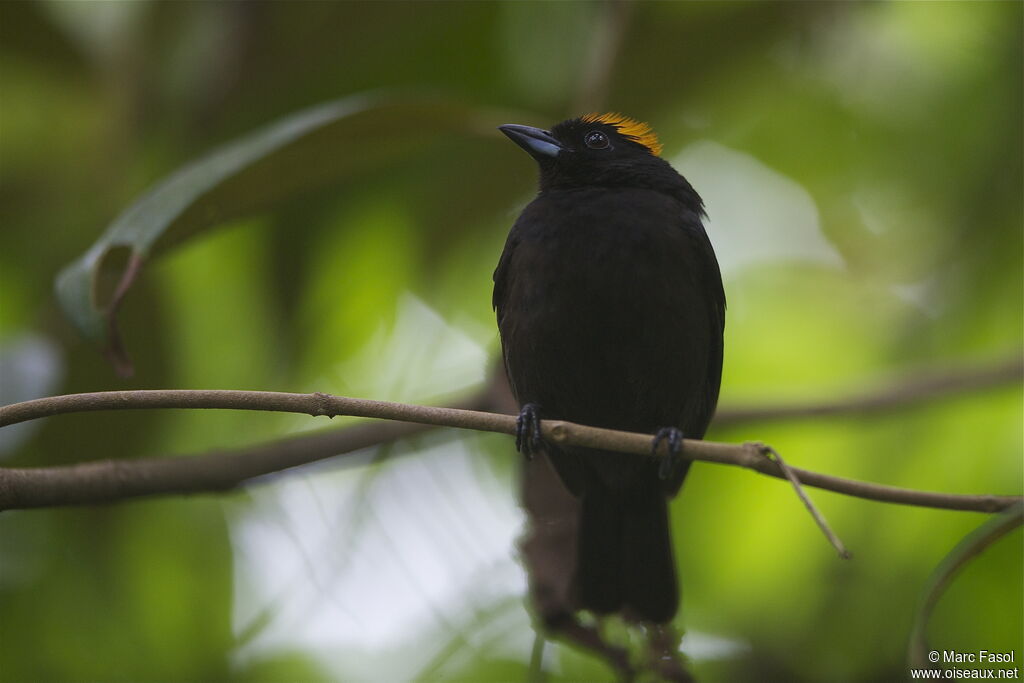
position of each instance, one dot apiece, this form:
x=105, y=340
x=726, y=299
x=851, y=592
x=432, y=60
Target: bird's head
x=608, y=150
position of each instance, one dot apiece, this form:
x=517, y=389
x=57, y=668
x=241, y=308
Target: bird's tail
x=625, y=554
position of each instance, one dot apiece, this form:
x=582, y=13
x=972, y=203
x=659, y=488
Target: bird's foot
x=528, y=437
x=672, y=460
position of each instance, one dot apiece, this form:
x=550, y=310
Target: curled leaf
x=300, y=152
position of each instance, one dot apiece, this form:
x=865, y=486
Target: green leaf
x=300, y=152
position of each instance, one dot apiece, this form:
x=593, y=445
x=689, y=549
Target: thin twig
x=966, y=550
x=772, y=454
x=664, y=655
x=107, y=481
x=589, y=638
x=536, y=674
x=602, y=55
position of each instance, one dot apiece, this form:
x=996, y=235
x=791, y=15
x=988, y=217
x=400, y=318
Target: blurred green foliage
x=862, y=166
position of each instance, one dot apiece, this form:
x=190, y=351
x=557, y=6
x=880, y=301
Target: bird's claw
x=528, y=436
x=672, y=460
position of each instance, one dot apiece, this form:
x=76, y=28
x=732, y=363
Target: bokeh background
x=862, y=168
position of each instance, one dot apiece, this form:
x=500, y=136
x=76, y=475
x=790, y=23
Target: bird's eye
x=595, y=139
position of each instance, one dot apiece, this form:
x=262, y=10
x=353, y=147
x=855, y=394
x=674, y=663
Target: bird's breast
x=603, y=320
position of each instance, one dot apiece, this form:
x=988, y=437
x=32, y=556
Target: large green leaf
x=303, y=151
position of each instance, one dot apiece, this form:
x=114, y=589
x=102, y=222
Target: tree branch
x=107, y=481
x=228, y=469
x=921, y=386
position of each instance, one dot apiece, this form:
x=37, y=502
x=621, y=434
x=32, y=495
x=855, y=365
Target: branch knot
x=559, y=432
x=323, y=405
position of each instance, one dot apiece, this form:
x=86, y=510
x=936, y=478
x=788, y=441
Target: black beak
x=538, y=143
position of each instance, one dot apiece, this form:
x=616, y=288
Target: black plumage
x=611, y=312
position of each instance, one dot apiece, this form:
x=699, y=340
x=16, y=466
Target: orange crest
x=638, y=131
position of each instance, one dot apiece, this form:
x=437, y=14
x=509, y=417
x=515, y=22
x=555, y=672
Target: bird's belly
x=610, y=346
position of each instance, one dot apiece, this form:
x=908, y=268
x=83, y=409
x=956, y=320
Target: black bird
x=611, y=312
